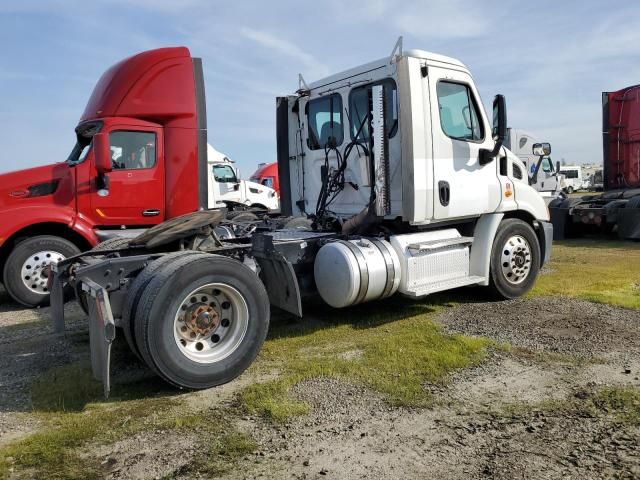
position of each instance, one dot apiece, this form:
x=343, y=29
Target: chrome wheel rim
x=516, y=259
x=211, y=323
x=35, y=270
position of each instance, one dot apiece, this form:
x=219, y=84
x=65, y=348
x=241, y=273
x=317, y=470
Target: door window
x=132, y=150
x=546, y=165
x=459, y=116
x=324, y=116
x=224, y=174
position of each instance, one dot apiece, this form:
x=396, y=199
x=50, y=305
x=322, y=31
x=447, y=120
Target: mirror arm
x=487, y=155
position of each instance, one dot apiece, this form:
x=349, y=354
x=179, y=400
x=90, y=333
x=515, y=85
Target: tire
x=26, y=258
x=515, y=259
x=242, y=216
x=224, y=351
x=135, y=292
x=116, y=243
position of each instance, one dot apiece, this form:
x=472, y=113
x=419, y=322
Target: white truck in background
x=543, y=175
x=225, y=185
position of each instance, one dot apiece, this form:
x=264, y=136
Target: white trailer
x=408, y=190
x=572, y=178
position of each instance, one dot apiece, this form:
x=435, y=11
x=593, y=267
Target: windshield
x=84, y=135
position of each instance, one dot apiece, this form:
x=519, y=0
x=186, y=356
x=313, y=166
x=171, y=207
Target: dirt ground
x=501, y=419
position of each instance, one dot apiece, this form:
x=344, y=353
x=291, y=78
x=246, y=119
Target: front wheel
x=27, y=268
x=515, y=259
x=201, y=321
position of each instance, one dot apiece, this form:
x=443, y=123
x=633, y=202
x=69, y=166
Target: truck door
x=225, y=184
x=136, y=189
x=462, y=187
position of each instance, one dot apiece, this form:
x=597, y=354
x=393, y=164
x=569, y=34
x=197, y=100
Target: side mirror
x=102, y=153
x=541, y=149
x=498, y=129
x=558, y=167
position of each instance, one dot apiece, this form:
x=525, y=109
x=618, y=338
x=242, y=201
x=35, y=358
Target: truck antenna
x=396, y=48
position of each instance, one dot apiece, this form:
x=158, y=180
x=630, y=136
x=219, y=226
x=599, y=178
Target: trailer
x=617, y=209
x=396, y=181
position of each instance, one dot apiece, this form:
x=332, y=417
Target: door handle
x=444, y=192
x=150, y=212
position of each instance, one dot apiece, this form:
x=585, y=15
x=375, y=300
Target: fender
x=16, y=219
x=483, y=235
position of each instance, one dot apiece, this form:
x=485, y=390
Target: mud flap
x=56, y=299
x=102, y=332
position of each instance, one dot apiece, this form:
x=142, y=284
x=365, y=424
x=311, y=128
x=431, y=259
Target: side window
x=132, y=150
x=324, y=116
x=359, y=108
x=458, y=112
x=546, y=165
x=224, y=174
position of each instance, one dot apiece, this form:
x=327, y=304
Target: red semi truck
x=154, y=145
x=618, y=208
x=267, y=175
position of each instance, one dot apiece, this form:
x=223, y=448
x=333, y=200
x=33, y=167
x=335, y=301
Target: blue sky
x=551, y=59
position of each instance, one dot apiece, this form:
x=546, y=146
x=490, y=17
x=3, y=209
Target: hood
x=54, y=182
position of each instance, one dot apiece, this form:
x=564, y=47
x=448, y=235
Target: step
x=428, y=288
x=439, y=244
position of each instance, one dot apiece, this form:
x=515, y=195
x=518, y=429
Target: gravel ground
x=563, y=348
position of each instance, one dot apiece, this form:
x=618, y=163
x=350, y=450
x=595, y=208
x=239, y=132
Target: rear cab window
x=324, y=118
x=359, y=109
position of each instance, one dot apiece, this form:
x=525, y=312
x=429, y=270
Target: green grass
x=398, y=349
x=596, y=270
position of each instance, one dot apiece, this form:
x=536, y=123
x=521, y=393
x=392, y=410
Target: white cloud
x=284, y=47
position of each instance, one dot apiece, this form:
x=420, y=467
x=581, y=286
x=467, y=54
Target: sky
x=551, y=59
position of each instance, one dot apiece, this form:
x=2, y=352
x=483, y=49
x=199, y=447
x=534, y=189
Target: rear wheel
x=27, y=268
x=515, y=259
x=135, y=292
x=205, y=326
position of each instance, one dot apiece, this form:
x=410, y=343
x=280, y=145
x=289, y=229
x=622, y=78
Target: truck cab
x=437, y=145
x=139, y=159
x=267, y=175
x=226, y=186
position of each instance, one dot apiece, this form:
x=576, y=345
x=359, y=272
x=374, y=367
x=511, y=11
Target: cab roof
x=384, y=62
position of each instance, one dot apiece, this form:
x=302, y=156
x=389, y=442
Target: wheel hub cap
x=210, y=323
x=35, y=270
x=516, y=259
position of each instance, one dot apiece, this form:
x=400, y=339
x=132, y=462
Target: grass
x=69, y=404
x=397, y=345
x=619, y=404
x=594, y=270
x=393, y=347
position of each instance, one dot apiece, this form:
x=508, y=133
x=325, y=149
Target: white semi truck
x=225, y=185
x=406, y=186
x=543, y=175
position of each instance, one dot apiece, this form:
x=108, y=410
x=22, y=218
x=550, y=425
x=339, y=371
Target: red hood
x=47, y=183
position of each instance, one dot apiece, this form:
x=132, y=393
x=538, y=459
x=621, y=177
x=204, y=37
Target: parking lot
x=451, y=386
